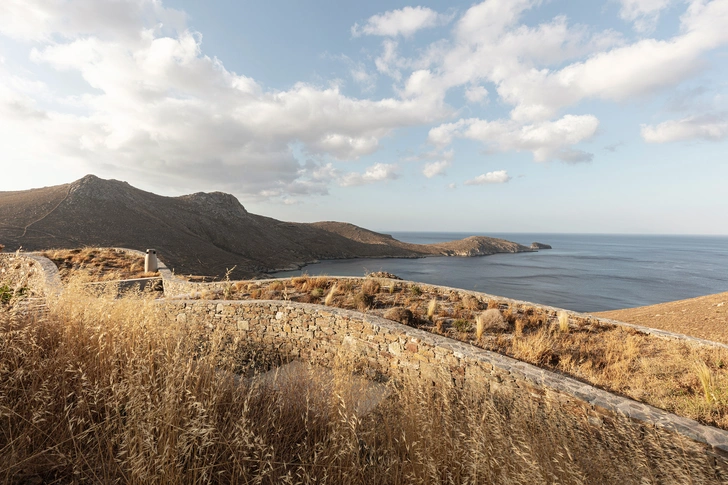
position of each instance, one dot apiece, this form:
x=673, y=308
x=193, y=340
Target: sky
x=499, y=116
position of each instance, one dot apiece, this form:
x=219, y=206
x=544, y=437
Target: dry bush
x=363, y=301
x=491, y=321
x=399, y=314
x=370, y=287
x=471, y=303
x=276, y=286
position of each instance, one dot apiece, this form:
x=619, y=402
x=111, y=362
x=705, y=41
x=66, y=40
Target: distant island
x=201, y=233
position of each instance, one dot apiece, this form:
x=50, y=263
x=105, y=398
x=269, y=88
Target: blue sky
x=500, y=116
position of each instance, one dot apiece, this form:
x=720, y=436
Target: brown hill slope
x=703, y=317
x=202, y=233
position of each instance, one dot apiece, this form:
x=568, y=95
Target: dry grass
x=432, y=308
x=111, y=391
x=563, y=322
x=97, y=264
x=651, y=370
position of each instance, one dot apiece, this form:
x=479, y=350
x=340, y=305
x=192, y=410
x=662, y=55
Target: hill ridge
x=199, y=233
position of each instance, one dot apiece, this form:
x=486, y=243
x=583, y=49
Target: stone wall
x=175, y=287
x=384, y=349
x=30, y=270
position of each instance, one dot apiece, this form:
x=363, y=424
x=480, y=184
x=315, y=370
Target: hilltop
x=201, y=233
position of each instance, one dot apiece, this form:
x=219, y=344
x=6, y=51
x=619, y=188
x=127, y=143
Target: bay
x=583, y=272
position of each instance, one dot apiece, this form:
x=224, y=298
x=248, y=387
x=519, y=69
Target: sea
x=583, y=272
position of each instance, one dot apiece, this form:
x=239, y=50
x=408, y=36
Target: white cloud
x=403, y=22
x=376, y=173
x=643, y=13
x=39, y=20
x=497, y=177
x=158, y=107
x=547, y=140
x=435, y=168
x=711, y=128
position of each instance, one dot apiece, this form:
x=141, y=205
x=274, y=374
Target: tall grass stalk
x=705, y=376
x=330, y=296
x=563, y=322
x=432, y=308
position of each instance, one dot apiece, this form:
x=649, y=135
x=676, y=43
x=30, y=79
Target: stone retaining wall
x=380, y=347
x=175, y=287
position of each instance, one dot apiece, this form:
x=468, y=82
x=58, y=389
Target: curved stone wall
x=322, y=335
x=30, y=270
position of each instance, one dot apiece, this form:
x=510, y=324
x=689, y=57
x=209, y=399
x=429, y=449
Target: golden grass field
x=110, y=391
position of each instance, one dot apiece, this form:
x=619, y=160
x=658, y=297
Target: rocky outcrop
x=538, y=245
x=477, y=246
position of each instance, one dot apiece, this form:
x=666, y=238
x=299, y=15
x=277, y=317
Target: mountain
x=201, y=233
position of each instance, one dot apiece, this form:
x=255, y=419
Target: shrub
x=370, y=287
x=399, y=314
x=490, y=320
x=6, y=294
x=471, y=303
x=461, y=325
x=363, y=301
x=415, y=290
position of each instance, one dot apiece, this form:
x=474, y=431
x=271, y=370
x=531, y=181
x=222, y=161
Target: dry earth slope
x=202, y=233
x=703, y=317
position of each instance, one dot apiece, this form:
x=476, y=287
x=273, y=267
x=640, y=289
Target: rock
x=538, y=245
x=383, y=274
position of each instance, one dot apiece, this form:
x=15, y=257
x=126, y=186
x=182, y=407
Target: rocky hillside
x=202, y=233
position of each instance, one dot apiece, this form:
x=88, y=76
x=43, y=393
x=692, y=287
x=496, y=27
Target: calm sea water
x=584, y=272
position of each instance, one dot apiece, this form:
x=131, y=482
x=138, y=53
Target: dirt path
x=704, y=317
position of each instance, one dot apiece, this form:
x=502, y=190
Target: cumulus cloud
x=376, y=173
x=157, y=106
x=435, y=168
x=404, y=22
x=547, y=140
x=497, y=177
x=706, y=127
